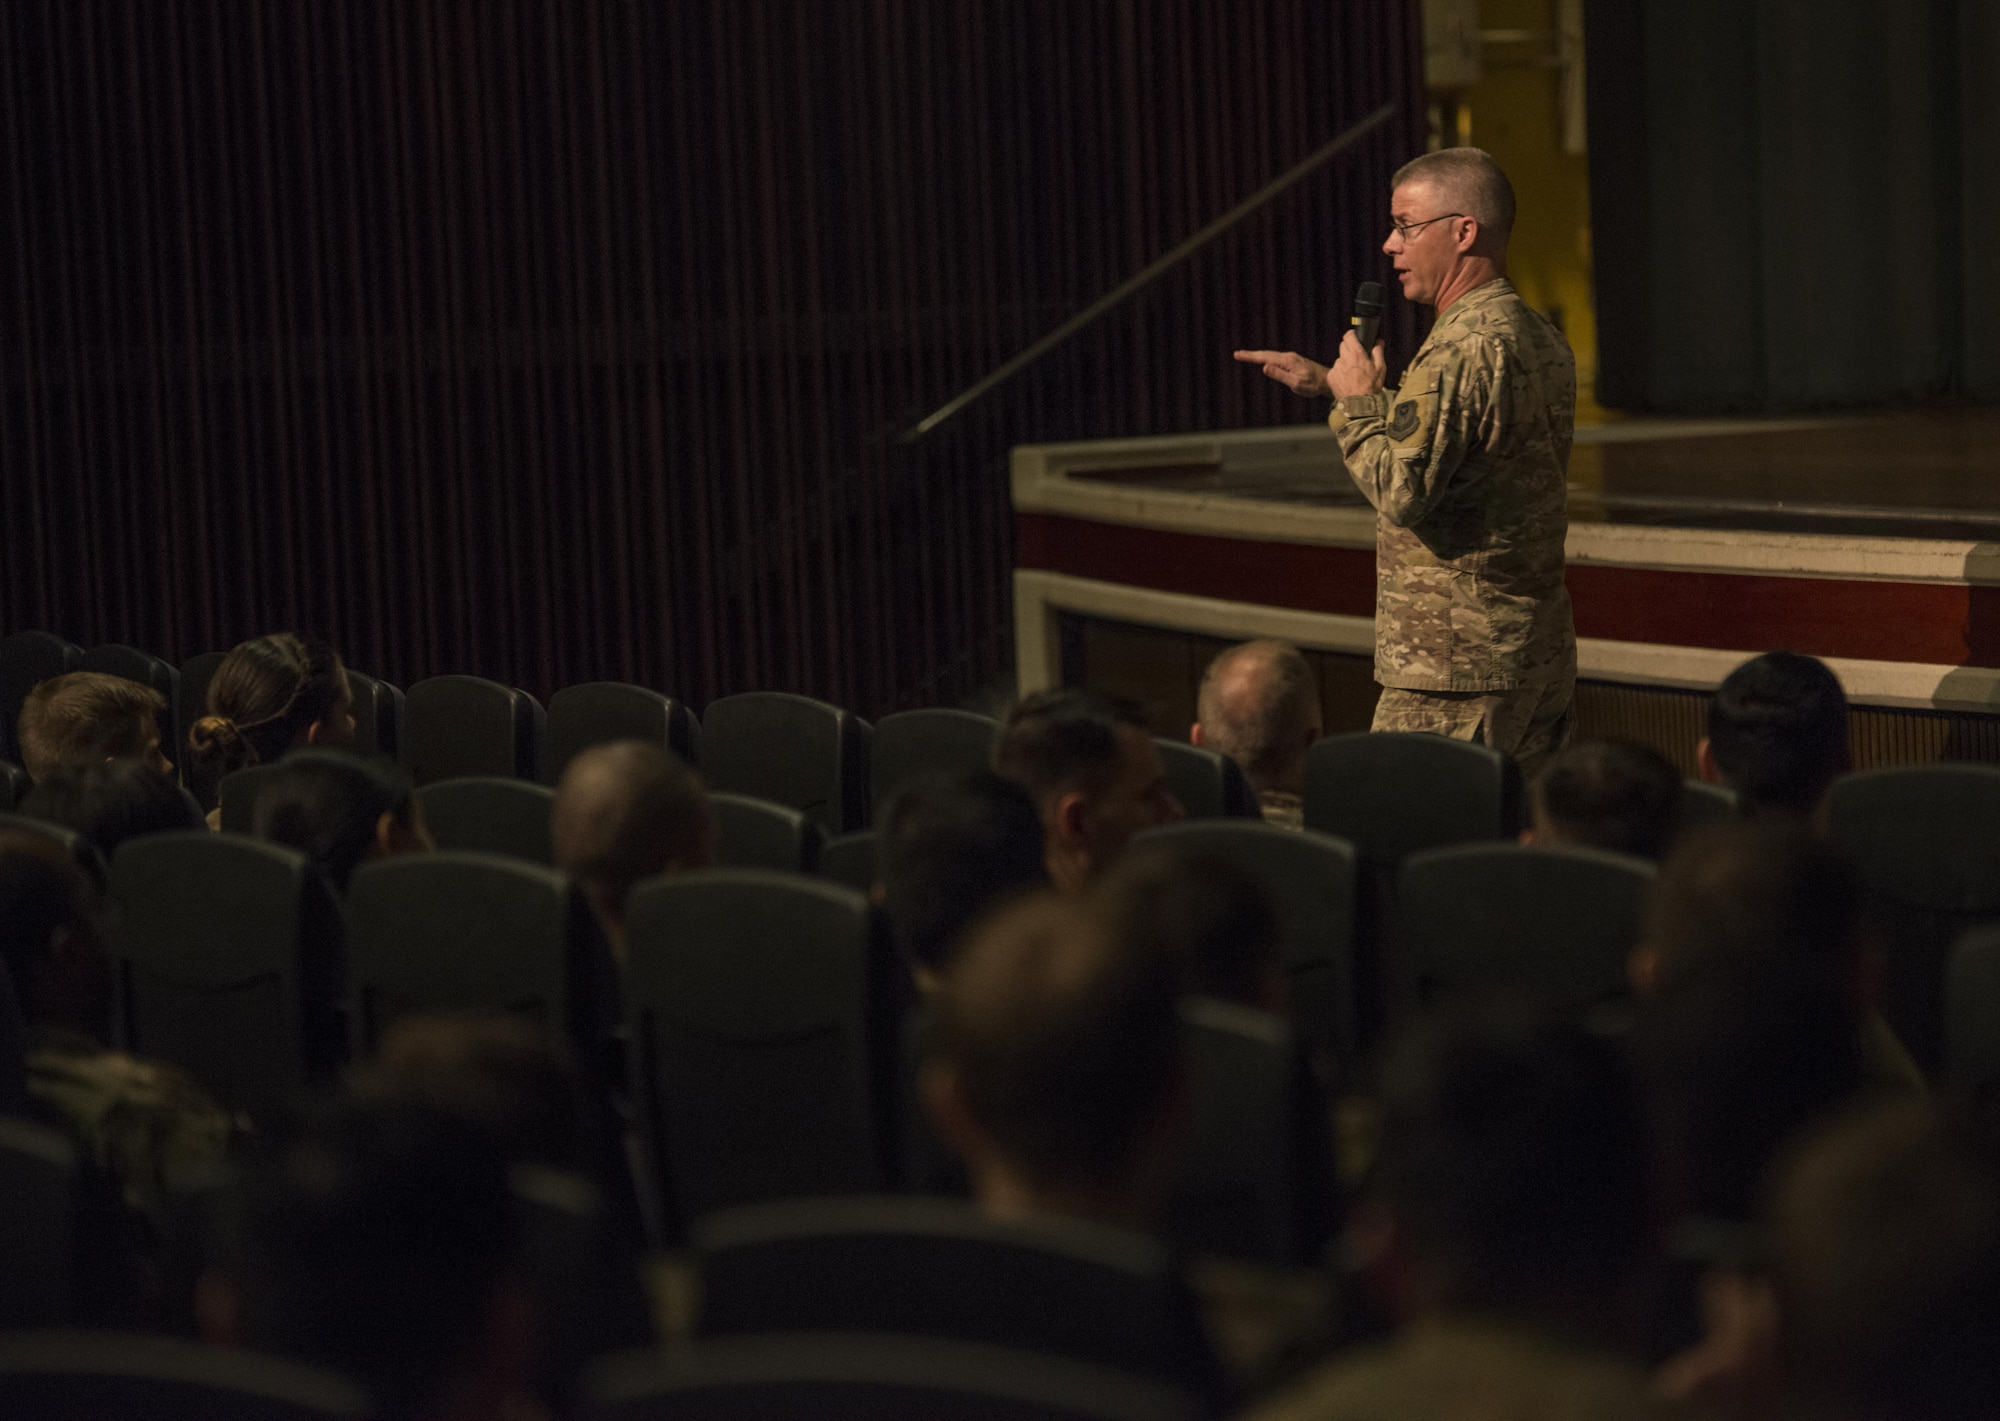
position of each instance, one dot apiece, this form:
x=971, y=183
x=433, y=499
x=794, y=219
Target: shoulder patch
x=1403, y=422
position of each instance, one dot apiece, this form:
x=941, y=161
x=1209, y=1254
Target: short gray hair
x=1470, y=181
x=1266, y=736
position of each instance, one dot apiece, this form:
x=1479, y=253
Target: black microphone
x=1367, y=320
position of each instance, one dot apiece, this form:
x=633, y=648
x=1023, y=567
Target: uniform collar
x=1477, y=299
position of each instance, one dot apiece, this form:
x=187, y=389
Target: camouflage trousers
x=1530, y=723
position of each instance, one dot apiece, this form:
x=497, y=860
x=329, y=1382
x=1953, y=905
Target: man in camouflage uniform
x=1467, y=467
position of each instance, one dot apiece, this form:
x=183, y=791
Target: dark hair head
x=1064, y=1041
x=947, y=850
x=1778, y=730
x=328, y=804
x=1512, y=1155
x=1212, y=917
x=505, y=1071
x=1887, y=1232
x=624, y=812
x=84, y=716
x=264, y=694
x=1256, y=703
x=374, y=1245
x=1609, y=795
x=1056, y=741
x=110, y=801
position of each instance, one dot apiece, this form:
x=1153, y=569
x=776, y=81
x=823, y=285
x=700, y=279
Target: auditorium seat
x=490, y=815
x=867, y=1378
x=26, y=660
x=1253, y=1175
x=230, y=950
x=756, y=833
x=462, y=931
x=602, y=711
x=1208, y=785
x=1972, y=1010
x=850, y=860
x=801, y=753
x=191, y=704
x=379, y=715
x=14, y=785
x=465, y=725
x=937, y=1268
x=112, y=1376
x=38, y=1181
x=1557, y=923
x=918, y=744
x=80, y=850
x=1925, y=840
x=236, y=797
x=1703, y=806
x=748, y=1022
x=1311, y=880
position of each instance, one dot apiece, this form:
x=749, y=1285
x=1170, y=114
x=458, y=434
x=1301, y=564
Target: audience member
x=1602, y=794
x=1504, y=1217
x=83, y=717
x=1054, y=1065
x=1886, y=1232
x=110, y=801
x=1777, y=734
x=270, y=694
x=381, y=1244
x=1212, y=917
x=1094, y=773
x=626, y=812
x=1259, y=705
x=946, y=851
x=340, y=809
x=143, y=1122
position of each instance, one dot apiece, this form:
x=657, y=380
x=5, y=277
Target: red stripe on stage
x=1943, y=623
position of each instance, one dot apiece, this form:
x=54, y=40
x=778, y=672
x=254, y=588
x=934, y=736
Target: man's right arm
x=1290, y=369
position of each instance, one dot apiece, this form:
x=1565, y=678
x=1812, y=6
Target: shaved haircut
x=625, y=812
x=1469, y=181
x=1257, y=702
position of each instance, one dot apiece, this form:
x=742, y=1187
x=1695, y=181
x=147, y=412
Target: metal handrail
x=1153, y=271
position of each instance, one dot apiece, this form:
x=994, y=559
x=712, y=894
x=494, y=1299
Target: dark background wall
x=563, y=339
x=1794, y=202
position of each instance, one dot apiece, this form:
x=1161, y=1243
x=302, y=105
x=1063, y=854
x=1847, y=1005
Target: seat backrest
x=80, y=850
x=879, y=1378
x=1925, y=842
x=191, y=702
x=1703, y=806
x=455, y=930
x=747, y=1001
x=1972, y=1010
x=26, y=660
x=1253, y=1175
x=1392, y=793
x=230, y=952
x=132, y=664
x=379, y=714
x=37, y=1227
x=850, y=860
x=1311, y=879
x=917, y=744
x=236, y=797
x=14, y=785
x=756, y=833
x=466, y=725
x=792, y=750
x=1557, y=923
x=486, y=814
x=1208, y=785
x=602, y=711
x=112, y=1376
x=936, y=1268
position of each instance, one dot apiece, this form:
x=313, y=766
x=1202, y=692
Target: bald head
x=1466, y=180
x=625, y=812
x=1259, y=705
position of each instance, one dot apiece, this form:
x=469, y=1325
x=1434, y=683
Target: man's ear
x=388, y=840
x=1527, y=836
x=1704, y=762
x=1071, y=814
x=1194, y=734
x=944, y=1102
x=1642, y=970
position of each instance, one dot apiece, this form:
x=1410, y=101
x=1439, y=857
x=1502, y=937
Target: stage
x=1870, y=541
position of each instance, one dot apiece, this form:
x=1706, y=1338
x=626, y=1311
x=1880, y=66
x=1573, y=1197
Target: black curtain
x=1793, y=202
x=563, y=339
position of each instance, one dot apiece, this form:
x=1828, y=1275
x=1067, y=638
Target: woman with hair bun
x=271, y=694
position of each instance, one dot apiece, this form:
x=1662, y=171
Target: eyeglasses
x=1404, y=229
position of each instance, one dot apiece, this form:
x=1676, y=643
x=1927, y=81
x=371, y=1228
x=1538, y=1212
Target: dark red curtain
x=564, y=339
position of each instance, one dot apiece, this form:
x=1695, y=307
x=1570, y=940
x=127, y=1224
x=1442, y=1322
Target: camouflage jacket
x=1467, y=468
